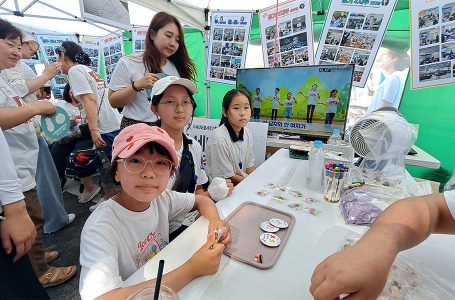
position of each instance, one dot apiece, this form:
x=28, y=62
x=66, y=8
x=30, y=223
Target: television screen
x=301, y=100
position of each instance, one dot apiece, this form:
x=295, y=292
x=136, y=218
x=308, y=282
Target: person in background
x=288, y=105
x=165, y=54
x=390, y=90
x=332, y=105
x=89, y=90
x=173, y=103
x=311, y=96
x=230, y=150
x=257, y=104
x=24, y=80
x=20, y=135
x=361, y=270
x=124, y=232
x=275, y=104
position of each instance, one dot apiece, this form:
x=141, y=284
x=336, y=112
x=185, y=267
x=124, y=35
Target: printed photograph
x=284, y=28
x=49, y=50
x=239, y=35
x=428, y=17
x=429, y=55
x=216, y=72
x=344, y=55
x=228, y=34
x=235, y=62
x=448, y=51
x=360, y=40
x=274, y=60
x=298, y=24
x=435, y=71
x=328, y=53
x=230, y=74
x=293, y=42
x=447, y=33
x=333, y=37
x=301, y=56
x=215, y=60
x=373, y=22
x=270, y=33
x=287, y=59
x=448, y=12
x=271, y=48
x=225, y=61
x=216, y=48
x=355, y=21
x=339, y=19
x=360, y=57
x=358, y=72
x=429, y=36
x=218, y=34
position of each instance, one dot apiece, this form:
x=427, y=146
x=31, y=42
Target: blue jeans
x=49, y=190
x=106, y=178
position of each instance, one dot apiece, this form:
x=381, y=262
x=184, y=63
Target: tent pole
x=206, y=54
x=28, y=6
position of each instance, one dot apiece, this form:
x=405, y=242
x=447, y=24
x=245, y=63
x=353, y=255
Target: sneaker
x=87, y=196
x=57, y=275
x=71, y=218
x=93, y=207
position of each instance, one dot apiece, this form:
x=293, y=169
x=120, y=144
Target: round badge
x=270, y=239
x=278, y=223
x=267, y=227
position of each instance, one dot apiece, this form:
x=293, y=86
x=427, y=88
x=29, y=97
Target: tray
x=245, y=232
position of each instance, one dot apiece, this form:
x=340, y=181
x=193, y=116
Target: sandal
x=50, y=256
x=87, y=196
x=57, y=275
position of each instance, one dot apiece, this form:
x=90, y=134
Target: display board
x=110, y=12
x=138, y=34
x=293, y=45
x=112, y=47
x=432, y=42
x=48, y=44
x=229, y=32
x=91, y=46
x=353, y=32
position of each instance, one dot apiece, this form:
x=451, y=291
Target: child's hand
x=207, y=259
x=230, y=186
x=225, y=237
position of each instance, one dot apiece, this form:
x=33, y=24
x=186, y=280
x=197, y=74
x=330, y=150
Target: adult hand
x=216, y=225
x=360, y=272
x=147, y=81
x=52, y=69
x=230, y=186
x=97, y=139
x=18, y=229
x=43, y=107
x=207, y=259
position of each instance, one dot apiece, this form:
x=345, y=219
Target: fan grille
x=370, y=138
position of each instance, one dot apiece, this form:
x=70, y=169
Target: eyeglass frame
x=147, y=161
x=177, y=104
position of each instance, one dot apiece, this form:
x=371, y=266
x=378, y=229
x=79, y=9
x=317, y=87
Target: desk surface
x=421, y=159
x=312, y=239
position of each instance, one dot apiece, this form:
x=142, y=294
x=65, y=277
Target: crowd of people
x=150, y=173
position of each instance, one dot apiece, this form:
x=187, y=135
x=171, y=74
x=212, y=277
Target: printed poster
x=229, y=32
x=293, y=45
x=91, y=46
x=138, y=37
x=432, y=42
x=353, y=32
x=48, y=44
x=112, y=47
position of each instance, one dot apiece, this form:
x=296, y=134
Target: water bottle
x=347, y=135
x=316, y=166
x=335, y=138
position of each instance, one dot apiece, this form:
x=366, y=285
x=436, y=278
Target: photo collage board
x=48, y=45
x=138, y=36
x=112, y=49
x=229, y=33
x=353, y=32
x=433, y=43
x=91, y=46
x=293, y=46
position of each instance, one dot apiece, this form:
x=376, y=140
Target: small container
x=335, y=138
x=335, y=175
x=148, y=293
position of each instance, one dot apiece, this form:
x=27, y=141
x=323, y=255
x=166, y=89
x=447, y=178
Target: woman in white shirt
x=133, y=78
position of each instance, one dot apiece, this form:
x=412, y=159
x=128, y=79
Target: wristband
x=136, y=89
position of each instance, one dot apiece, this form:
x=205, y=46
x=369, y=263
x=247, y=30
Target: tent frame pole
x=206, y=33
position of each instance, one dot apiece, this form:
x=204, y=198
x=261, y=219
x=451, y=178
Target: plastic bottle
x=335, y=138
x=347, y=135
x=316, y=166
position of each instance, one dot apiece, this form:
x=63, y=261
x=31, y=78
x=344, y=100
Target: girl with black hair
x=134, y=76
x=230, y=151
x=103, y=121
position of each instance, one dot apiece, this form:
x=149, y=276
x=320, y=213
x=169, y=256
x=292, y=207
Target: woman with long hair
x=133, y=78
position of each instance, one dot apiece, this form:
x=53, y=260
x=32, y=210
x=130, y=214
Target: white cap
x=162, y=84
x=33, y=44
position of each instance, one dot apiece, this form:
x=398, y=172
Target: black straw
x=158, y=280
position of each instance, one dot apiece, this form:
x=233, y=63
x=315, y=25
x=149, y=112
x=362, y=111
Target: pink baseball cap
x=132, y=138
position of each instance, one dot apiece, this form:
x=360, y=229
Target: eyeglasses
x=137, y=164
x=172, y=103
x=60, y=50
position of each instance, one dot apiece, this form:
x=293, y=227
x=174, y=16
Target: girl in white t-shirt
x=312, y=95
x=332, y=104
x=230, y=151
x=165, y=54
x=103, y=121
x=126, y=231
x=275, y=103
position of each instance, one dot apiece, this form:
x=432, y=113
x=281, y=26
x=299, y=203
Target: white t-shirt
x=196, y=152
x=224, y=156
x=450, y=199
x=257, y=101
x=389, y=91
x=115, y=242
x=129, y=69
x=312, y=95
x=84, y=80
x=332, y=103
x=10, y=185
x=276, y=101
x=17, y=78
x=21, y=139
x=289, y=102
